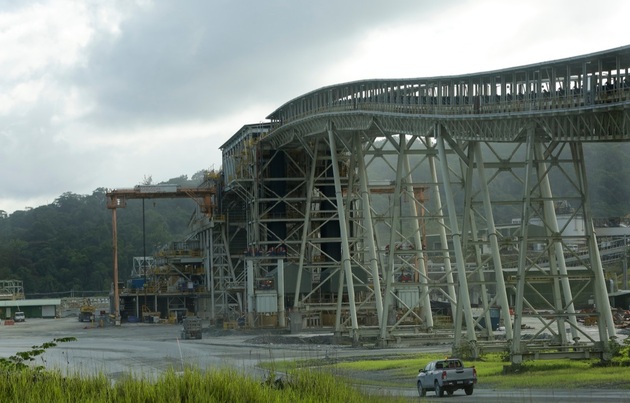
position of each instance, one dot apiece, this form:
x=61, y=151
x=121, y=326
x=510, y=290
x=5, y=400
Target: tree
x=68, y=244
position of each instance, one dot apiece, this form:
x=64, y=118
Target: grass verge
x=401, y=371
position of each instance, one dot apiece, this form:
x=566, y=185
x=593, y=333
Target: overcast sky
x=105, y=93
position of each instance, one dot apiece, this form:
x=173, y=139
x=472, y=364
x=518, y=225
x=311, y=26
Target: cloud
x=177, y=61
x=98, y=94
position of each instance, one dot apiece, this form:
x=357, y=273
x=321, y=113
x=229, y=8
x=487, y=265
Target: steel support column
x=115, y=257
x=207, y=266
x=389, y=267
x=463, y=300
x=306, y=226
x=494, y=245
x=448, y=267
x=343, y=226
x=557, y=262
x=281, y=311
x=517, y=349
x=369, y=236
x=251, y=297
x=470, y=217
x=605, y=324
x=424, y=299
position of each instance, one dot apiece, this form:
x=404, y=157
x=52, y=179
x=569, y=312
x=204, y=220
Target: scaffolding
x=11, y=290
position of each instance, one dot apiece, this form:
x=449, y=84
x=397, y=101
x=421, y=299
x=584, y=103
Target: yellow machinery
x=149, y=316
x=86, y=312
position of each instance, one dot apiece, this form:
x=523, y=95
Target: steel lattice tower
x=382, y=202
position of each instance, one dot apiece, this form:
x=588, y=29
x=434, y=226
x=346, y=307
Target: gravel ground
x=150, y=349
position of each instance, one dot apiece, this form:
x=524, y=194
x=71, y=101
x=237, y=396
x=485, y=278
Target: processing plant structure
x=377, y=209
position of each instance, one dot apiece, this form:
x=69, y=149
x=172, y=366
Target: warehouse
x=32, y=308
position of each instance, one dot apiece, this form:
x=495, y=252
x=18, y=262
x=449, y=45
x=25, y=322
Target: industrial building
x=372, y=208
x=12, y=300
x=33, y=308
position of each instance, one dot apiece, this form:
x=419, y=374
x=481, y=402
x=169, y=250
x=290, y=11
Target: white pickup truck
x=19, y=317
x=446, y=375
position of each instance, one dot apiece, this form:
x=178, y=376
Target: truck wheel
x=450, y=392
x=421, y=391
x=468, y=390
x=438, y=391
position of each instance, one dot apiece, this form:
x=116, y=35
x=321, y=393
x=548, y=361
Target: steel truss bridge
x=378, y=200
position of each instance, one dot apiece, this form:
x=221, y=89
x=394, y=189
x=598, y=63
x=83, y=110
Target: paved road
x=148, y=350
x=522, y=395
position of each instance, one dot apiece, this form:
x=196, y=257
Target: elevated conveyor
x=362, y=188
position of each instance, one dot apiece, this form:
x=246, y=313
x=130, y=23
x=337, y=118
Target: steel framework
x=381, y=198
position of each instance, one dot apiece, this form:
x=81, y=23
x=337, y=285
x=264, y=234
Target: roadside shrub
x=20, y=360
x=621, y=353
x=468, y=350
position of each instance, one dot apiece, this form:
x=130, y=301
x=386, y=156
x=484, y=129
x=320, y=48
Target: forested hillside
x=67, y=245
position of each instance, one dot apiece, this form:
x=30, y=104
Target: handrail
x=601, y=78
x=532, y=103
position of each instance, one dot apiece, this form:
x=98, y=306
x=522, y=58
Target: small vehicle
x=19, y=317
x=86, y=312
x=446, y=375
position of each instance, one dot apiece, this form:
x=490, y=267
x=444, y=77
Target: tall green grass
x=189, y=386
x=21, y=381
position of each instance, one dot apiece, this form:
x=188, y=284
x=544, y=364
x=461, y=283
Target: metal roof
x=30, y=302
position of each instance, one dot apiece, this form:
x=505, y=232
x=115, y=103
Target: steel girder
x=542, y=241
x=226, y=283
x=549, y=278
x=358, y=128
x=478, y=134
x=596, y=123
x=392, y=283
